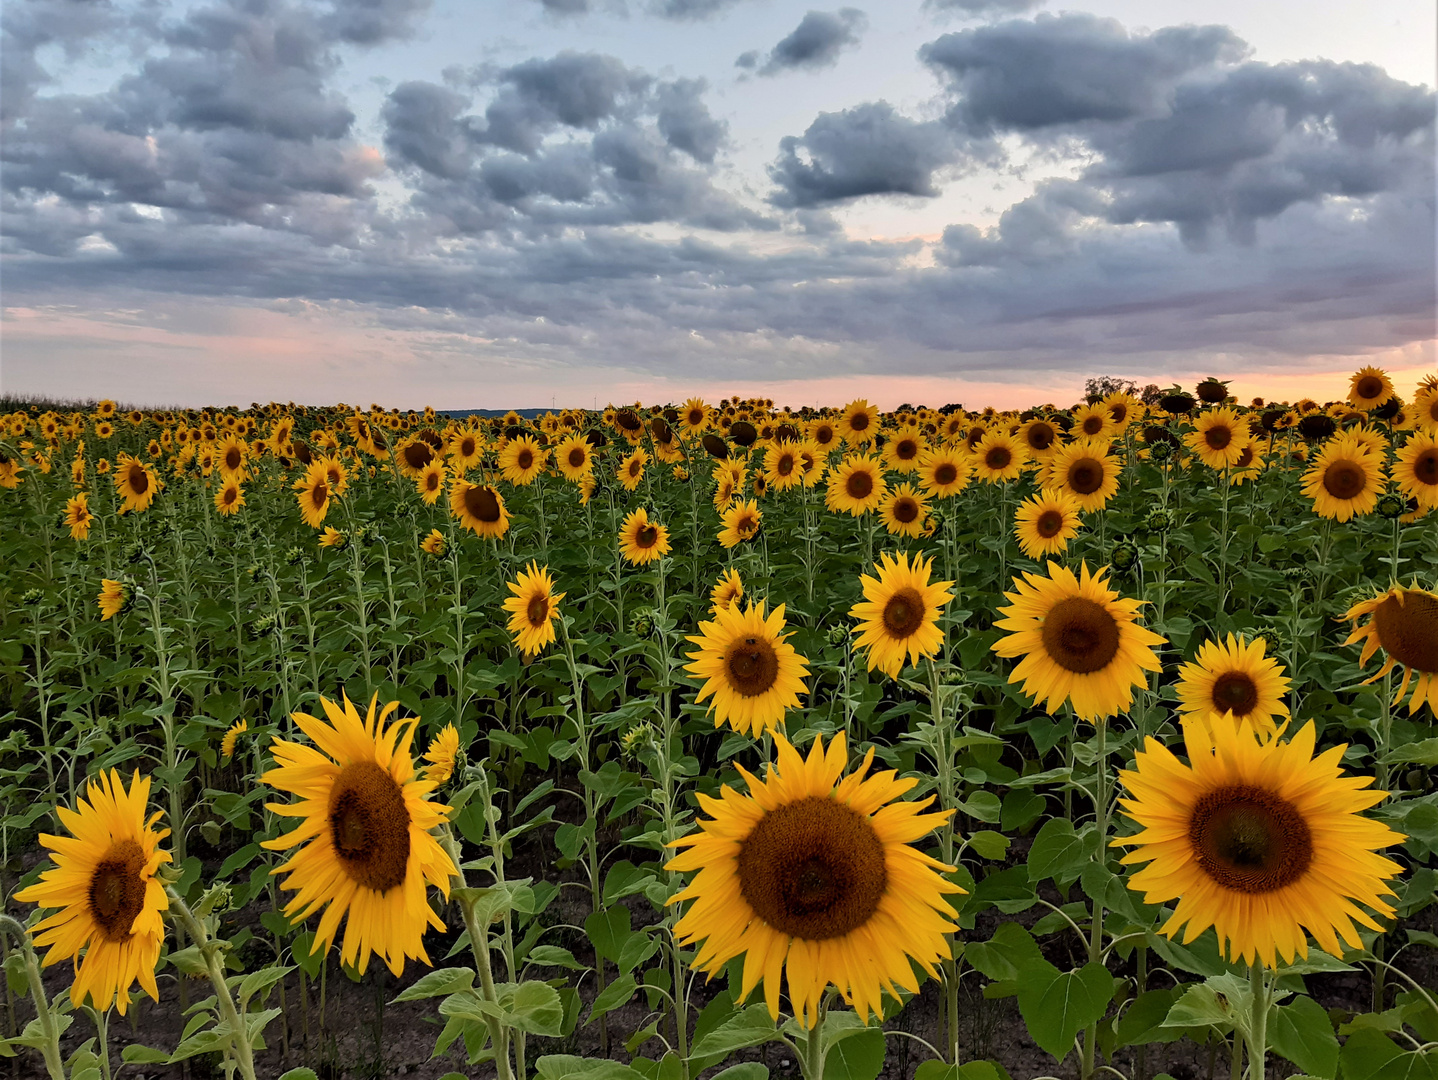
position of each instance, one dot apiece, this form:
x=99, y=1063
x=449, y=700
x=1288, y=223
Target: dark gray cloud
x=867, y=150
x=690, y=10
x=983, y=9
x=685, y=121
x=1066, y=69
x=815, y=43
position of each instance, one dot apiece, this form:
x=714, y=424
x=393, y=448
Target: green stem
x=50, y=1049
x=812, y=1062
x=1095, y=948
x=479, y=946
x=239, y=1032
x=1258, y=1023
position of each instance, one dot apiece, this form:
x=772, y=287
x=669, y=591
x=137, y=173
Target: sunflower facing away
x=817, y=874
x=1079, y=642
x=532, y=609
x=104, y=884
x=856, y=486
x=365, y=846
x=1405, y=623
x=479, y=508
x=433, y=544
x=136, y=483
x=78, y=516
x=332, y=538
x=641, y=541
x=232, y=737
x=1260, y=840
x=442, y=755
x=749, y=667
x=1234, y=677
x=740, y=522
x=726, y=591
x=113, y=599
x=1046, y=522
x=899, y=615
x=1344, y=479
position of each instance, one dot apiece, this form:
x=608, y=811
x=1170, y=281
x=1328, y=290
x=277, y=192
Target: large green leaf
x=1055, y=1013
x=1302, y=1033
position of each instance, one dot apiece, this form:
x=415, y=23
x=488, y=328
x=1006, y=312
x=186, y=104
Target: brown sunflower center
x=859, y=421
x=695, y=417
x=646, y=536
x=1080, y=635
x=117, y=891
x=417, y=455
x=525, y=458
x=1039, y=436
x=635, y=467
x=998, y=457
x=903, y=612
x=537, y=611
x=859, y=485
x=232, y=458
x=466, y=448
x=1085, y=476
x=231, y=494
x=1345, y=479
x=906, y=449
x=1092, y=425
x=1049, y=524
x=369, y=826
x=1236, y=692
x=1249, y=839
x=946, y=474
x=813, y=869
x=320, y=495
x=139, y=480
x=1369, y=387
x=823, y=434
x=431, y=482
x=1218, y=437
x=482, y=503
x=752, y=666
x=785, y=465
x=1408, y=631
x=1119, y=412
x=905, y=510
x=1425, y=467
x=1245, y=458
x=577, y=457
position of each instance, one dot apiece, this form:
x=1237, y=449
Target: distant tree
x=1150, y=394
x=1099, y=387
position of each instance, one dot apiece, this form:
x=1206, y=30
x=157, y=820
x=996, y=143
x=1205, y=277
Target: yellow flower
x=442, y=755
x=740, y=522
x=430, y=481
x=1235, y=678
x=1218, y=438
x=532, y=609
x=641, y=541
x=574, y=458
x=136, y=483
x=1416, y=469
x=899, y=615
x=727, y=591
x=856, y=486
x=312, y=492
x=903, y=511
x=113, y=599
x=1086, y=471
x=1369, y=388
x=749, y=667
x=78, y=516
x=1405, y=623
x=1344, y=479
x=232, y=736
x=433, y=544
x=522, y=460
x=998, y=457
x=229, y=497
x=859, y=422
x=479, y=508
x=945, y=472
x=332, y=537
x=631, y=469
x=1045, y=523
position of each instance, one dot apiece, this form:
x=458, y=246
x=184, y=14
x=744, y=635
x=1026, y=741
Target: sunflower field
x=724, y=741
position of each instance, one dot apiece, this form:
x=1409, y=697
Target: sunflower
x=367, y=850
x=413, y=456
x=532, y=609
x=858, y=423
x=78, y=516
x=433, y=544
x=749, y=667
x=522, y=460
x=103, y=882
x=332, y=538
x=998, y=457
x=229, y=497
x=1260, y=840
x=642, y=541
x=1249, y=464
x=631, y=469
x=1234, y=677
x=820, y=873
x=694, y=416
x=466, y=447
x=105, y=408
x=336, y=475
x=1040, y=437
x=1416, y=469
x=430, y=481
x=312, y=492
x=824, y=434
x=1086, y=471
x=1405, y=623
x=856, y=486
x=10, y=470
x=899, y=615
x=230, y=455
x=1123, y=410
x=1093, y=422
x=1217, y=437
x=1079, y=642
x=113, y=599
x=1344, y=479
x=136, y=483
x=905, y=450
x=903, y=510
x=104, y=429
x=1046, y=522
x=574, y=458
x=782, y=467
x=740, y=522
x=479, y=508
x=726, y=591
x=1369, y=388
x=232, y=736
x=1425, y=410
x=442, y=755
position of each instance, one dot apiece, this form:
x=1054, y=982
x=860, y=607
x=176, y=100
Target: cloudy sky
x=471, y=203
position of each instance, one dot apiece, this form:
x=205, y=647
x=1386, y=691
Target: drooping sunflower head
x=232, y=738
x=1368, y=388
x=313, y=493
x=1079, y=641
x=479, y=508
x=434, y=544
x=1263, y=841
x=748, y=666
x=641, y=541
x=1234, y=678
x=443, y=755
x=899, y=615
x=727, y=590
x=532, y=609
x=1404, y=623
x=1045, y=523
x=366, y=845
x=816, y=871
x=103, y=883
x=1344, y=479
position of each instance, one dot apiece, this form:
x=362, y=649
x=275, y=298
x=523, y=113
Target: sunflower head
x=726, y=591
x=232, y=737
x=1369, y=388
x=748, y=666
x=532, y=609
x=444, y=755
x=1046, y=522
x=434, y=544
x=1404, y=623
x=1234, y=678
x=479, y=508
x=641, y=541
x=898, y=619
x=115, y=597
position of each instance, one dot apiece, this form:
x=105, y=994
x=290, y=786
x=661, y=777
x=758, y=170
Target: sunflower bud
x=637, y=737
x=267, y=623
x=1160, y=452
x=33, y=598
x=642, y=623
x=1123, y=555
x=838, y=634
x=1159, y=521
x=1391, y=505
x=136, y=553
x=294, y=556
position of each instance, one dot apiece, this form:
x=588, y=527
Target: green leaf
x=135, y=1054
x=751, y=1027
x=747, y=1070
x=860, y=1056
x=608, y=930
x=306, y=1074
x=1223, y=1002
x=1143, y=1021
x=1007, y=954
x=438, y=984
x=257, y=981
x=534, y=1007
x=613, y=996
x=569, y=1067
x=554, y=956
x=990, y=845
x=1065, y=1007
x=1058, y=852
x=969, y=1070
x=1371, y=1055
x=1422, y=752
x=1300, y=1031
